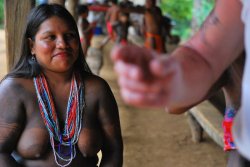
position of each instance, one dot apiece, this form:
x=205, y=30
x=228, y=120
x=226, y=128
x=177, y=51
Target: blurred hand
x=144, y=76
x=148, y=79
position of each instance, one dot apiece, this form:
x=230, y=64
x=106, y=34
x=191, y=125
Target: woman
x=53, y=111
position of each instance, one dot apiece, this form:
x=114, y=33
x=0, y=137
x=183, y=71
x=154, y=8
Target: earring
x=33, y=58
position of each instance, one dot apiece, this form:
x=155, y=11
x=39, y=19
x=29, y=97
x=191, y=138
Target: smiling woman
x=53, y=110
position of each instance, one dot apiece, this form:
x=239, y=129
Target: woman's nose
x=61, y=43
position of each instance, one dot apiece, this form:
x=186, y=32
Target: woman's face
x=55, y=46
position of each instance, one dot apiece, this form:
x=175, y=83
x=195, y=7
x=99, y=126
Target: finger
x=134, y=71
x=143, y=99
x=139, y=85
x=130, y=71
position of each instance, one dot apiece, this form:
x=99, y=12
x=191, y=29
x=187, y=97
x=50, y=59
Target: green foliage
x=182, y=12
x=201, y=15
x=1, y=13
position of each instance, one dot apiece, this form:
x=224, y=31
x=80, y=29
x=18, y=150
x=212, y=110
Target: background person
x=112, y=18
x=85, y=27
x=152, y=28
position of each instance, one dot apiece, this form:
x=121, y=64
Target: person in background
x=121, y=29
x=152, y=28
x=126, y=4
x=166, y=32
x=185, y=78
x=232, y=91
x=54, y=111
x=112, y=18
x=86, y=28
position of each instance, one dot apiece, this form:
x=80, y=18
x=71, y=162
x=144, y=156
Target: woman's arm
x=11, y=121
x=112, y=151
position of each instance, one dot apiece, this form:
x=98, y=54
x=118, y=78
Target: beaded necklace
x=63, y=144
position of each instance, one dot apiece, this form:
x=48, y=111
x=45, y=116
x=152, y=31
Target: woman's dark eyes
x=70, y=36
x=50, y=37
x=67, y=37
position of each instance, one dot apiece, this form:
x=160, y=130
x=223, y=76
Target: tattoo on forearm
x=212, y=20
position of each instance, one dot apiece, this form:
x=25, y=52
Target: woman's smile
x=63, y=54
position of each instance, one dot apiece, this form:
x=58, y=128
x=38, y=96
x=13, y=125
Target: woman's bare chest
x=35, y=141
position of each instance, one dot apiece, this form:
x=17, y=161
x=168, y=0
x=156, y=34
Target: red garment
x=160, y=45
x=227, y=127
x=110, y=30
x=98, y=8
x=109, y=27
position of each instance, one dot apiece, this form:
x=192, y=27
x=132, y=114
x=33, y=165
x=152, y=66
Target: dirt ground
x=152, y=138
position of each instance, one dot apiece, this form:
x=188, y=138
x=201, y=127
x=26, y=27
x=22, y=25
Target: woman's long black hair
x=25, y=66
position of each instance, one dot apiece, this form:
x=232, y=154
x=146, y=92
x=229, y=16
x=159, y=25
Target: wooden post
x=60, y=2
x=69, y=4
x=15, y=17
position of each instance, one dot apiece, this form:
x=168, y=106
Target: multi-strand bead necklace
x=62, y=143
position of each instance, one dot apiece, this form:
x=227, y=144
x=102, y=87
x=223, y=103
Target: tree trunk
x=16, y=12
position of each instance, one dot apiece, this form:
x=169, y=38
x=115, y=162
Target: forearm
x=192, y=78
x=203, y=59
x=7, y=160
x=194, y=68
x=220, y=39
x=112, y=153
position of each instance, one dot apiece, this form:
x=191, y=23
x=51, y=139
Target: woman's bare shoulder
x=95, y=83
x=15, y=86
x=13, y=96
x=98, y=86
